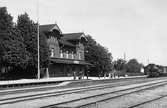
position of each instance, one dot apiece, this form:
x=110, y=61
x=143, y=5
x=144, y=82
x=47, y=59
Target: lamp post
x=38, y=39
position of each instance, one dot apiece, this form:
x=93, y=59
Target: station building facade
x=66, y=51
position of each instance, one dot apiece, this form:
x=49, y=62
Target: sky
x=134, y=27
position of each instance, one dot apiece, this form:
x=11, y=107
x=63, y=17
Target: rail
x=79, y=90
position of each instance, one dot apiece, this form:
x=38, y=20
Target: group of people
x=80, y=75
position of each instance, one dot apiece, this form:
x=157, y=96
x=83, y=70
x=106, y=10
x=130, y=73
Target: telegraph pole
x=148, y=61
x=38, y=39
x=124, y=56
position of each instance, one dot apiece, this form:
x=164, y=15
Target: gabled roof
x=73, y=36
x=49, y=27
x=65, y=39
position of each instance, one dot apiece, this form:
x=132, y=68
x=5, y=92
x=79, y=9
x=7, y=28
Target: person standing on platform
x=74, y=75
x=80, y=75
x=87, y=74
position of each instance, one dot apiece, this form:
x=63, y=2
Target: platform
x=52, y=80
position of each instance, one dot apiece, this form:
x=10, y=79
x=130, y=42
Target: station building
x=66, y=51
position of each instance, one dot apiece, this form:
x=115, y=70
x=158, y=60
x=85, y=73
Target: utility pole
x=148, y=61
x=124, y=56
x=38, y=39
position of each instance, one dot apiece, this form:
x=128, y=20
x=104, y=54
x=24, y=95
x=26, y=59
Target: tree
x=29, y=32
x=6, y=24
x=15, y=50
x=12, y=54
x=119, y=64
x=99, y=56
x=133, y=66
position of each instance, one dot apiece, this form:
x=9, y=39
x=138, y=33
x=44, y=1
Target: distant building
x=66, y=51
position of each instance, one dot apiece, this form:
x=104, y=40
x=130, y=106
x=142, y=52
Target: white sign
x=76, y=62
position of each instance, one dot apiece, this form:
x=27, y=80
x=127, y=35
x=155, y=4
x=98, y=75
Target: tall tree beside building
x=12, y=54
x=99, y=56
x=15, y=55
x=6, y=24
x=29, y=32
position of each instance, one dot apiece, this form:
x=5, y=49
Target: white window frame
x=79, y=56
x=67, y=56
x=61, y=54
x=52, y=52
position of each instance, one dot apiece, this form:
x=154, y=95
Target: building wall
x=54, y=70
x=68, y=52
x=64, y=70
x=53, y=46
x=80, y=51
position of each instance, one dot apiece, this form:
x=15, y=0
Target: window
x=52, y=52
x=54, y=40
x=72, y=55
x=66, y=54
x=51, y=38
x=61, y=54
x=79, y=55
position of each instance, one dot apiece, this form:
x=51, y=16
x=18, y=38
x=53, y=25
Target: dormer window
x=56, y=33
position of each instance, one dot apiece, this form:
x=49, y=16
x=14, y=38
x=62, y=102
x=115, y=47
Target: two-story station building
x=66, y=51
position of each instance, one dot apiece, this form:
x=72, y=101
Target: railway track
x=92, y=100
x=43, y=94
x=86, y=100
x=147, y=102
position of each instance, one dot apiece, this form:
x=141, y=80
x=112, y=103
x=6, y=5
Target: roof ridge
x=74, y=33
x=46, y=24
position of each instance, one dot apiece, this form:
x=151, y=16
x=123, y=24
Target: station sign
x=76, y=62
